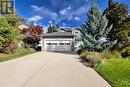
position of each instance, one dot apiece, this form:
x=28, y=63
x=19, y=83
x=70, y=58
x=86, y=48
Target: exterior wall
x=77, y=45
x=77, y=41
x=76, y=32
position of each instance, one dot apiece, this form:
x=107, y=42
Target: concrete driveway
x=46, y=69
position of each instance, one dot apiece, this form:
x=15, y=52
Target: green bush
x=92, y=58
x=26, y=46
x=126, y=52
x=8, y=35
x=19, y=53
x=12, y=48
x=109, y=55
x=116, y=72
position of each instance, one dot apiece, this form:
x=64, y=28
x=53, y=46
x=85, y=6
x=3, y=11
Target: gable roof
x=59, y=35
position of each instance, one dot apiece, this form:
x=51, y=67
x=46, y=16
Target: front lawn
x=116, y=72
x=18, y=54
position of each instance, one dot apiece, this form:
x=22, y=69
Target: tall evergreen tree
x=51, y=28
x=57, y=26
x=94, y=31
x=117, y=14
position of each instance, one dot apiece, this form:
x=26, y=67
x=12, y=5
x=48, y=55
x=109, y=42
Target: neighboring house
x=21, y=27
x=65, y=40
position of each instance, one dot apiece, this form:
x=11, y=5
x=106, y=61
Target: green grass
x=116, y=72
x=18, y=54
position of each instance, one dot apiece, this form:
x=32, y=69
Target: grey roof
x=58, y=34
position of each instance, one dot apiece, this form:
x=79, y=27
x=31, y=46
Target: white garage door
x=58, y=46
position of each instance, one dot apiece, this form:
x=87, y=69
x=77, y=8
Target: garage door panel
x=58, y=46
x=62, y=48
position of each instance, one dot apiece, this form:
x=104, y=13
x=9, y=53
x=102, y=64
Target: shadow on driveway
x=70, y=53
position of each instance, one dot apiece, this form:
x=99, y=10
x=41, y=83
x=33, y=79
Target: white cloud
x=65, y=11
x=77, y=18
x=68, y=13
x=69, y=8
x=50, y=22
x=35, y=18
x=64, y=24
x=62, y=12
x=36, y=8
x=86, y=0
x=58, y=20
x=44, y=12
x=45, y=28
x=81, y=10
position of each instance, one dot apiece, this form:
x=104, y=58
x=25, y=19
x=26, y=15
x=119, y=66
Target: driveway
x=45, y=69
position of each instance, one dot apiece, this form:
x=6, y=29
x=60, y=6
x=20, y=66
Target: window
x=76, y=32
x=61, y=43
x=54, y=43
x=67, y=43
x=48, y=43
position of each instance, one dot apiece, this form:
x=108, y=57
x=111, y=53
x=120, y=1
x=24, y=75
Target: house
x=77, y=39
x=21, y=27
x=61, y=41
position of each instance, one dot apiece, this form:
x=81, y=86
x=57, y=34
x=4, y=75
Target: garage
x=58, y=42
x=58, y=46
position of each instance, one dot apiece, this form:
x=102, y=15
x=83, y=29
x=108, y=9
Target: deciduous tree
x=8, y=35
x=117, y=14
x=14, y=20
x=32, y=35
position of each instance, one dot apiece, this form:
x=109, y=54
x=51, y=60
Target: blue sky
x=68, y=13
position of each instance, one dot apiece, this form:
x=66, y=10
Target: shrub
x=12, y=48
x=80, y=51
x=126, y=52
x=26, y=46
x=8, y=34
x=109, y=55
x=19, y=53
x=93, y=59
x=26, y=51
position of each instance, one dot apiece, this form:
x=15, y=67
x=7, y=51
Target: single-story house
x=61, y=41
